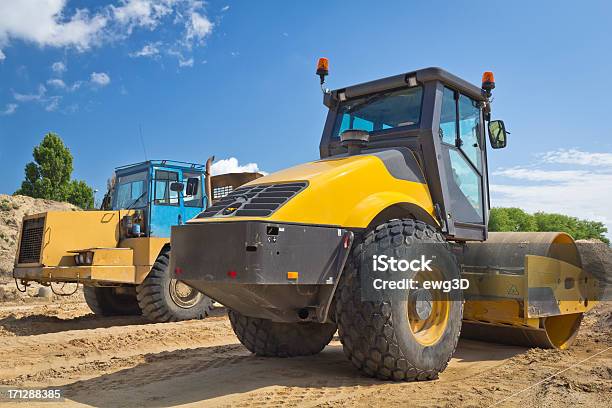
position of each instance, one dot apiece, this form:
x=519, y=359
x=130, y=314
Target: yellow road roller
x=384, y=239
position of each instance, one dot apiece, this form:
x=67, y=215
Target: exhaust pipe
x=207, y=176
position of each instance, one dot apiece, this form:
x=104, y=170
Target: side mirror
x=192, y=186
x=498, y=136
x=177, y=186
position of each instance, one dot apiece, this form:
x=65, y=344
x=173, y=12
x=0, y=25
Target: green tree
x=80, y=194
x=577, y=228
x=48, y=176
x=515, y=219
x=511, y=220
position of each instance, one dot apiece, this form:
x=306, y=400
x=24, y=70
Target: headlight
x=89, y=257
x=84, y=258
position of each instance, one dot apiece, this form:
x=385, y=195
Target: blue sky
x=236, y=79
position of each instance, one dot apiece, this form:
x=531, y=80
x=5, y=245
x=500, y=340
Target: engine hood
x=339, y=191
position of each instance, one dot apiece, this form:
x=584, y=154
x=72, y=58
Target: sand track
x=125, y=362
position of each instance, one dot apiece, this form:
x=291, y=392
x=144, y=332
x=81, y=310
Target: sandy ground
x=127, y=362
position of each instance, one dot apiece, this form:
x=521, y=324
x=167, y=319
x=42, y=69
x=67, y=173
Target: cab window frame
x=167, y=200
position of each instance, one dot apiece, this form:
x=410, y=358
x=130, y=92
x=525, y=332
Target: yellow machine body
x=59, y=236
x=348, y=192
x=526, y=288
x=353, y=191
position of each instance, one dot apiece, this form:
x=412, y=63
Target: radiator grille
x=31, y=240
x=254, y=201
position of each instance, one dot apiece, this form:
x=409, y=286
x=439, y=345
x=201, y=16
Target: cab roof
x=175, y=164
x=401, y=80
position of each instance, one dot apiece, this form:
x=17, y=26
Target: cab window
x=378, y=112
x=131, y=191
x=469, y=129
x=163, y=194
x=195, y=199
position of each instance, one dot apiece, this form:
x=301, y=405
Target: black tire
x=105, y=301
x=376, y=335
x=271, y=339
x=157, y=296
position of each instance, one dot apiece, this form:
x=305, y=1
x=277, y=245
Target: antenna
x=144, y=149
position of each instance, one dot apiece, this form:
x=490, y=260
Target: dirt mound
x=12, y=210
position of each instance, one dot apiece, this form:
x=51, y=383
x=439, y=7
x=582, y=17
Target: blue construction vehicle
x=120, y=253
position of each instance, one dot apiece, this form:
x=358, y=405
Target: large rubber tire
x=376, y=335
x=271, y=339
x=157, y=302
x=105, y=301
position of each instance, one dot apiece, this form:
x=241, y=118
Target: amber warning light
x=323, y=69
x=488, y=82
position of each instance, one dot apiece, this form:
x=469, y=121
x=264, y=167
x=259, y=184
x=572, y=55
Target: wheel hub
x=423, y=306
x=428, y=310
x=184, y=295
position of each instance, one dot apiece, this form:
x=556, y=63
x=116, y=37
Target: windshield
x=387, y=110
x=131, y=191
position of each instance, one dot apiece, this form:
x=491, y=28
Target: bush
x=515, y=219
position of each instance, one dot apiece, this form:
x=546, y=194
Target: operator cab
x=163, y=193
x=437, y=117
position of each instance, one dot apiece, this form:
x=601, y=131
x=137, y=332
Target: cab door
x=462, y=147
x=166, y=208
x=194, y=200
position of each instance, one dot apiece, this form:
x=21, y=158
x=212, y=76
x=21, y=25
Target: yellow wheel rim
x=428, y=310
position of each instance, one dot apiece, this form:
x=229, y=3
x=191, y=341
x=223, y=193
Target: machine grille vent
x=254, y=201
x=31, y=240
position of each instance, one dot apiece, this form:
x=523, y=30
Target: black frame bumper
x=251, y=266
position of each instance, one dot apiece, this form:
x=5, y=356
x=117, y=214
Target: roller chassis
x=278, y=252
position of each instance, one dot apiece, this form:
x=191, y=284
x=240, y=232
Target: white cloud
x=231, y=165
x=198, y=28
x=225, y=8
x=44, y=23
x=186, y=62
x=141, y=13
x=533, y=174
x=2, y=56
x=52, y=103
x=9, y=109
x=579, y=193
x=50, y=23
x=31, y=97
x=100, y=78
x=149, y=50
x=574, y=156
x=56, y=82
x=76, y=85
x=58, y=67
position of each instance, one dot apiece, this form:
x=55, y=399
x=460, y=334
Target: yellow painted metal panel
x=347, y=192
x=146, y=250
x=575, y=290
x=113, y=256
x=67, y=231
x=86, y=274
